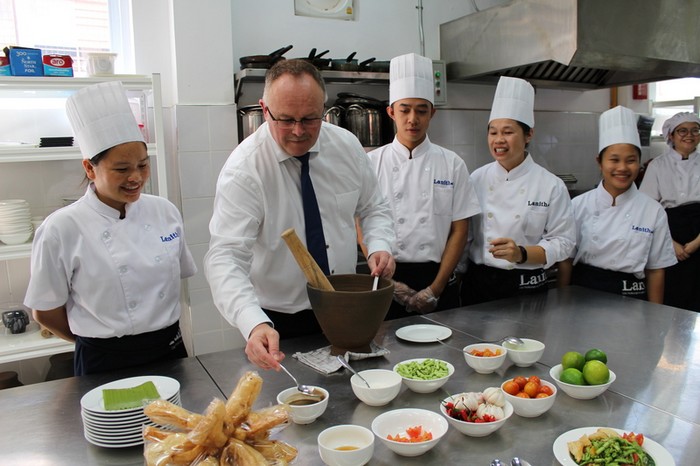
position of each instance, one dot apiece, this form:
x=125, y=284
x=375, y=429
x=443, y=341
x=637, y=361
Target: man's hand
x=381, y=264
x=403, y=293
x=263, y=347
x=422, y=302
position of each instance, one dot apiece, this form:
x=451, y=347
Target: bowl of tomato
x=484, y=358
x=531, y=396
x=409, y=431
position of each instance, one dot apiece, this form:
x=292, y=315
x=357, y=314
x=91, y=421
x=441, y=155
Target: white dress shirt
x=258, y=196
x=426, y=192
x=529, y=205
x=116, y=276
x=628, y=237
x=671, y=180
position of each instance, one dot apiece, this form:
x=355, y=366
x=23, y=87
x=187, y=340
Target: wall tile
x=196, y=175
x=223, y=127
x=198, y=281
x=197, y=213
x=205, y=316
x=208, y=342
x=193, y=128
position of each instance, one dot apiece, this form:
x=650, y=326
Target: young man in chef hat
x=623, y=241
x=527, y=224
x=429, y=192
x=106, y=270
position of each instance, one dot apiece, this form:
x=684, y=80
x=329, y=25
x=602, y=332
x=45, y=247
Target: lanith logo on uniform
x=634, y=286
x=170, y=237
x=537, y=203
x=443, y=182
x=642, y=229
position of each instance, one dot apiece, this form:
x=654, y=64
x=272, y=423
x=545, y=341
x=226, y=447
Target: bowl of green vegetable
x=424, y=375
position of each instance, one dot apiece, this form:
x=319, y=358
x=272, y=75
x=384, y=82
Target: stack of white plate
x=123, y=428
x=15, y=221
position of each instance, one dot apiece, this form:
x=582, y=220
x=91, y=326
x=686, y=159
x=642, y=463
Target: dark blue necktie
x=315, y=241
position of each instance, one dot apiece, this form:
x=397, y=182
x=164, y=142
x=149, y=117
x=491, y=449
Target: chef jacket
x=426, y=192
x=258, y=196
x=671, y=180
x=116, y=276
x=628, y=237
x=529, y=205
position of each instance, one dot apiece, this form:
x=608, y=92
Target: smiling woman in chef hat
x=526, y=224
x=106, y=270
x=623, y=242
x=673, y=179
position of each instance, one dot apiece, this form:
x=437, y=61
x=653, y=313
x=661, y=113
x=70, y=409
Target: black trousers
x=299, y=324
x=105, y=354
x=682, y=287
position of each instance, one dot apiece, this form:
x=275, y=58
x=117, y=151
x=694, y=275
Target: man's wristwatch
x=523, y=253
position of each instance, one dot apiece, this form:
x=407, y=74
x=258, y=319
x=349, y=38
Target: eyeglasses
x=683, y=132
x=289, y=123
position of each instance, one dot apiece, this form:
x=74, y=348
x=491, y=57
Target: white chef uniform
x=258, y=196
x=426, y=192
x=117, y=276
x=628, y=237
x=529, y=205
x=671, y=180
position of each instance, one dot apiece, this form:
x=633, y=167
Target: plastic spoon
x=347, y=366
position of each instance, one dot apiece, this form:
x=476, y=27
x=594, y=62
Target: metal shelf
x=329, y=76
x=47, y=154
x=50, y=82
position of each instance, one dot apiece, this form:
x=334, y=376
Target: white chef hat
x=618, y=126
x=515, y=100
x=672, y=123
x=411, y=77
x=101, y=118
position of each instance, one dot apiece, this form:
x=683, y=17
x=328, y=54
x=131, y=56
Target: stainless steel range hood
x=584, y=44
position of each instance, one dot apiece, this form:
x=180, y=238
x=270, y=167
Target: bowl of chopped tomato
x=484, y=358
x=409, y=431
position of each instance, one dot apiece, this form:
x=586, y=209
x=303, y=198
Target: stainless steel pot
x=365, y=123
x=333, y=115
x=250, y=117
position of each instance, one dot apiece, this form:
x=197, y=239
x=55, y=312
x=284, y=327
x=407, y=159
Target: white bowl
x=580, y=392
x=484, y=364
x=304, y=414
x=16, y=238
x=346, y=445
x=532, y=407
x=425, y=386
x=397, y=421
x=385, y=385
x=475, y=429
x=524, y=355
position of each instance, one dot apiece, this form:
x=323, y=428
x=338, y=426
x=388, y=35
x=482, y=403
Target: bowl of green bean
x=424, y=375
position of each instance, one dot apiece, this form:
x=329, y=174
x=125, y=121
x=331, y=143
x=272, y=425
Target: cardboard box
x=58, y=65
x=5, y=66
x=24, y=61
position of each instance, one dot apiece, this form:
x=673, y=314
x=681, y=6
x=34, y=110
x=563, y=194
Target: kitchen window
x=671, y=97
x=70, y=27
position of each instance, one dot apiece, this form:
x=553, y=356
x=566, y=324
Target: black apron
x=299, y=324
x=682, y=288
x=418, y=276
x=625, y=284
x=483, y=283
x=105, y=354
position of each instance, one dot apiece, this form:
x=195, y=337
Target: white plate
x=561, y=451
x=100, y=443
x=423, y=333
x=92, y=401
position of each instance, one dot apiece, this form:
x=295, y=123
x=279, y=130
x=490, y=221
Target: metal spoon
x=515, y=462
x=305, y=389
x=496, y=462
x=347, y=366
x=512, y=340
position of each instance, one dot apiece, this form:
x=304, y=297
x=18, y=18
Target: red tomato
x=511, y=387
x=520, y=381
x=531, y=388
x=535, y=379
x=541, y=395
x=523, y=395
x=546, y=390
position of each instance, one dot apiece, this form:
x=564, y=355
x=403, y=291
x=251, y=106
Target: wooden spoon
x=313, y=273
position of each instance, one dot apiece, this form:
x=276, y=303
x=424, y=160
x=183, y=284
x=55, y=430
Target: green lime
x=596, y=355
x=573, y=359
x=572, y=376
x=596, y=372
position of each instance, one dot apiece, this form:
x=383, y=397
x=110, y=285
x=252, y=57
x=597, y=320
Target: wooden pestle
x=313, y=273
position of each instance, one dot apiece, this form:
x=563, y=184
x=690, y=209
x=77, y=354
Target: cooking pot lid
x=250, y=108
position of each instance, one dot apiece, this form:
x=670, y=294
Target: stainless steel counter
x=653, y=350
